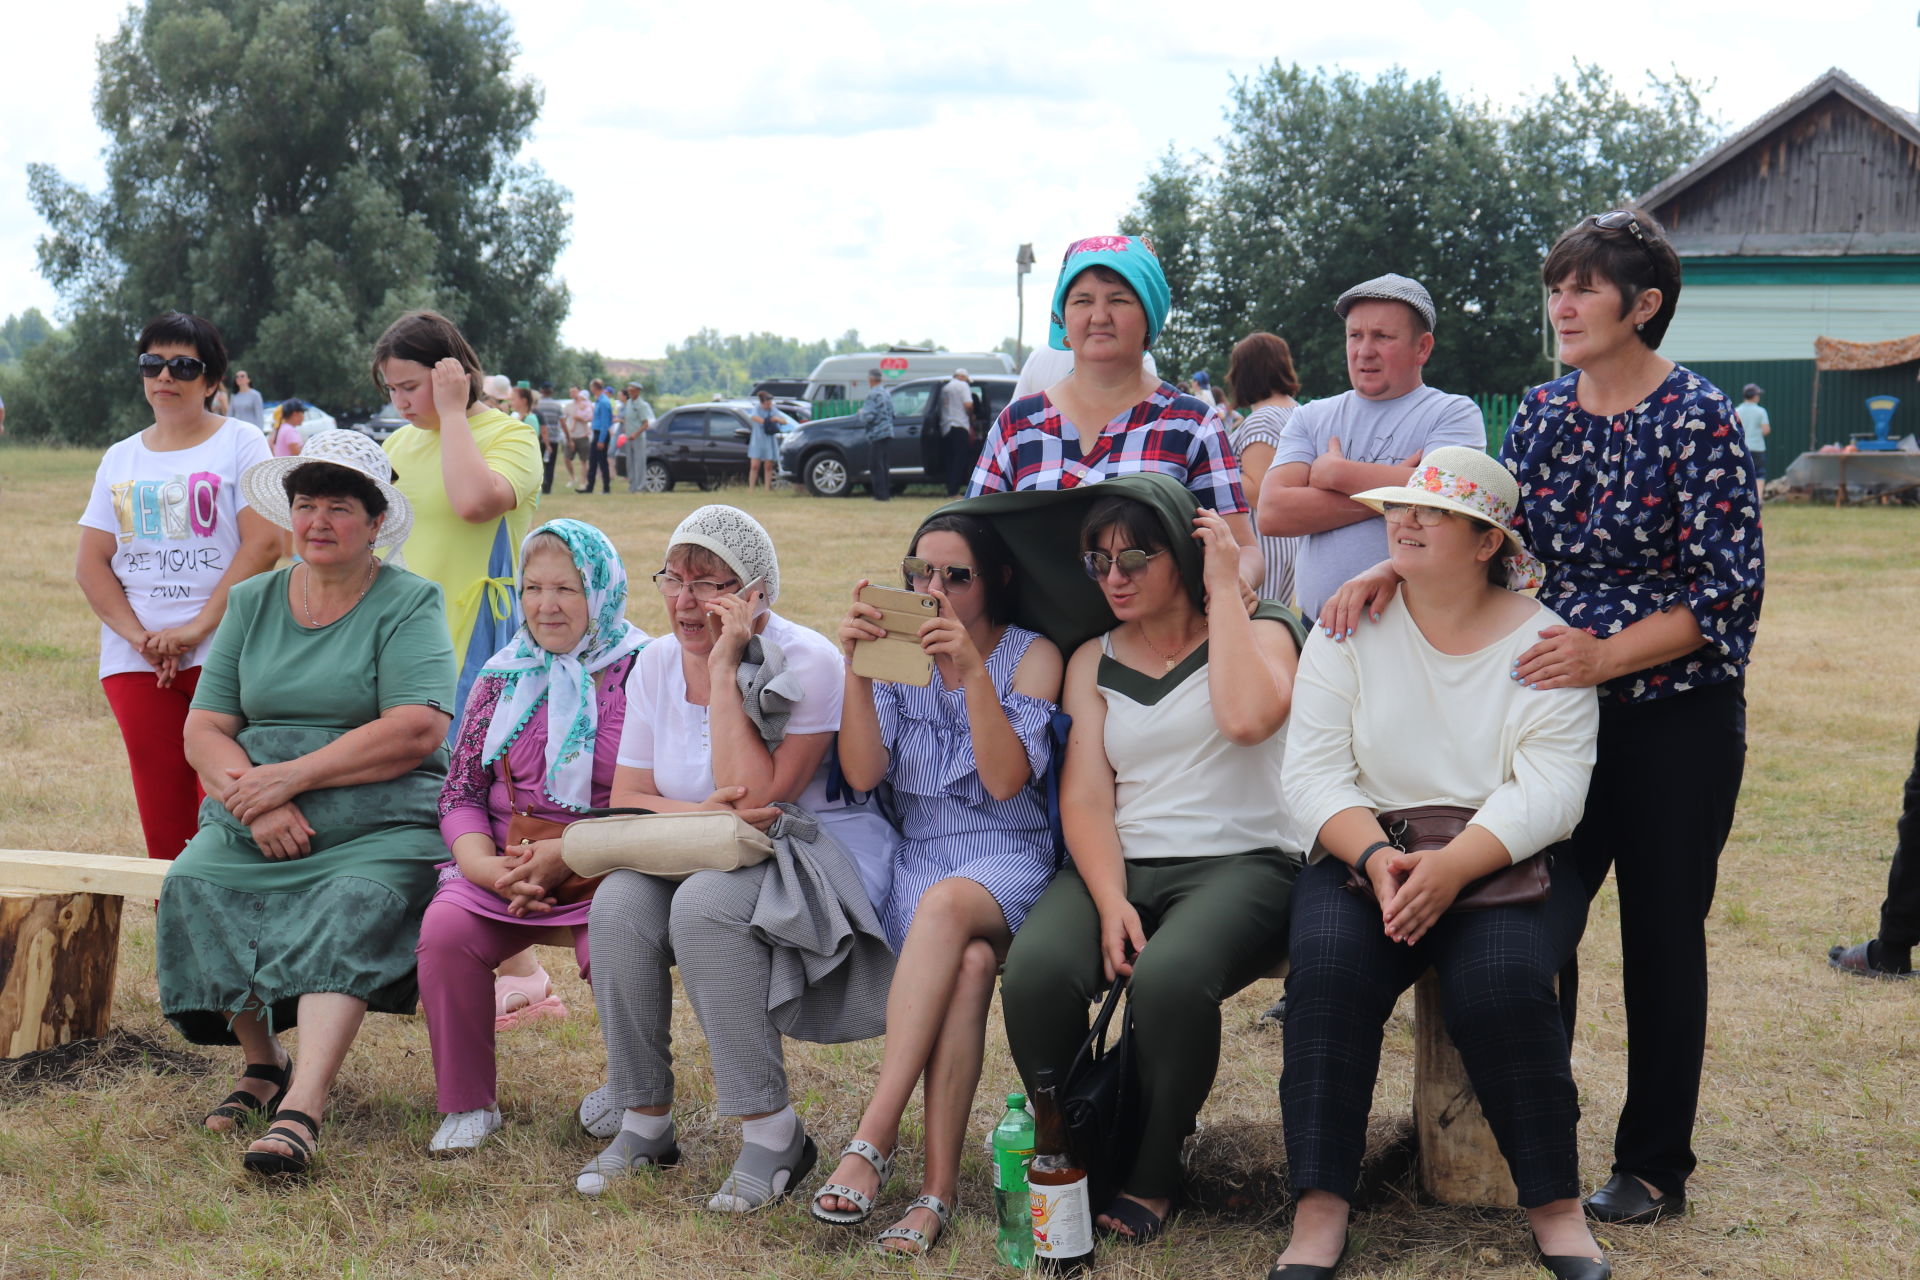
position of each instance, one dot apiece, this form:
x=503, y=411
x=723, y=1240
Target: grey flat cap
x=1389, y=288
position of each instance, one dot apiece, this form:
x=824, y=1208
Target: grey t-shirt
x=248, y=406
x=1382, y=431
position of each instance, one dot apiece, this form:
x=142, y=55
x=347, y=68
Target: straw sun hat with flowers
x=1469, y=483
x=264, y=483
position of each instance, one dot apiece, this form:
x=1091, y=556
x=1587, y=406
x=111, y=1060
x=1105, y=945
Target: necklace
x=306, y=585
x=1173, y=658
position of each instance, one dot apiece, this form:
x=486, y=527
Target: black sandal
x=240, y=1105
x=274, y=1164
x=1142, y=1225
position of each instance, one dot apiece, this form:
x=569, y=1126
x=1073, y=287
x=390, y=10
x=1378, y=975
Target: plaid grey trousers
x=641, y=927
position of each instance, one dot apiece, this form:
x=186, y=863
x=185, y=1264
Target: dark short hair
x=991, y=558
x=426, y=338
x=1632, y=264
x=1132, y=517
x=1261, y=365
x=330, y=480
x=292, y=406
x=189, y=331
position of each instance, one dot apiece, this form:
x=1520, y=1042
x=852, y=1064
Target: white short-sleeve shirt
x=176, y=516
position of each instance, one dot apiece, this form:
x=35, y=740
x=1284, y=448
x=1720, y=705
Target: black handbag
x=1101, y=1101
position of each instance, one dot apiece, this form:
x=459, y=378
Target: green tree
x=22, y=333
x=1325, y=179
x=299, y=172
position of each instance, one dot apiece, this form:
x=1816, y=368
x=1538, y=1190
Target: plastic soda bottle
x=1012, y=1152
x=1062, y=1216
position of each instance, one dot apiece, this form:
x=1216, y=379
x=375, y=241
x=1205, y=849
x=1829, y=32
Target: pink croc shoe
x=517, y=1001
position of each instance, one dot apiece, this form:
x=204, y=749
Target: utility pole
x=1023, y=263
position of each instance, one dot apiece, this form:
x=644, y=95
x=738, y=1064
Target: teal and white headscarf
x=565, y=680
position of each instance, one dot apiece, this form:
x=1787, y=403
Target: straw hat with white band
x=1470, y=483
x=264, y=483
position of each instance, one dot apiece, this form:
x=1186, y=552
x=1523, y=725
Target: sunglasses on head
x=183, y=368
x=1615, y=219
x=914, y=569
x=1132, y=562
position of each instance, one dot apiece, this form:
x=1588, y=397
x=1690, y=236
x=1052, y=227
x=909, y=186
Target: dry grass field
x=1809, y=1133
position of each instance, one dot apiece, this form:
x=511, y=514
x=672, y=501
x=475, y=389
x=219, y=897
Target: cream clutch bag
x=670, y=845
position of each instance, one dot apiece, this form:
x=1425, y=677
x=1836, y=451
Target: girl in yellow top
x=471, y=473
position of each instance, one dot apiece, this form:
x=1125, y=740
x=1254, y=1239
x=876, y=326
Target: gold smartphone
x=897, y=656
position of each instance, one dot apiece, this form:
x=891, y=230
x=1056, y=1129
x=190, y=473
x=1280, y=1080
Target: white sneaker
x=462, y=1131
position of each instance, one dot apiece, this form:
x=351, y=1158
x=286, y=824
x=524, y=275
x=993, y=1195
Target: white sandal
x=882, y=1165
x=920, y=1240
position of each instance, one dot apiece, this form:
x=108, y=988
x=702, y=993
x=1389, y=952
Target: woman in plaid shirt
x=1109, y=305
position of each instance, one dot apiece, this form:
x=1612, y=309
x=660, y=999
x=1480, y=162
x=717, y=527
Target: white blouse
x=1386, y=721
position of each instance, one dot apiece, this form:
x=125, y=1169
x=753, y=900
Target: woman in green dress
x=316, y=730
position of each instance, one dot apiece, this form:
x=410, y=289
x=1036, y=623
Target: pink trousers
x=457, y=954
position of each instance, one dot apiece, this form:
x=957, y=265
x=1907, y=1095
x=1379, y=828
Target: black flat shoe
x=1625, y=1200
x=1306, y=1270
x=1577, y=1266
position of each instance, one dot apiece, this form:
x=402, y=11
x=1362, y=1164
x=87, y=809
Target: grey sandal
x=882, y=1165
x=625, y=1156
x=920, y=1240
x=598, y=1115
x=762, y=1175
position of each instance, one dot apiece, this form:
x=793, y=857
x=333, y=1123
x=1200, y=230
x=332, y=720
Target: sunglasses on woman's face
x=914, y=569
x=1133, y=561
x=183, y=368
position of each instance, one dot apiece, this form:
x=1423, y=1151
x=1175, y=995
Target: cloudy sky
x=806, y=169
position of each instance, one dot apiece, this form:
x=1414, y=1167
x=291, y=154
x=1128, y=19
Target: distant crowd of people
x=1319, y=682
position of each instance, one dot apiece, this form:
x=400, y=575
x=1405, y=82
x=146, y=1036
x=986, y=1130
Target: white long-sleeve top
x=1386, y=721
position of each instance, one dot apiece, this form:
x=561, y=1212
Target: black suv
x=829, y=455
x=701, y=444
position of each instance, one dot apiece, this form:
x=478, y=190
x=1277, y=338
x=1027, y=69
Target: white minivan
x=845, y=377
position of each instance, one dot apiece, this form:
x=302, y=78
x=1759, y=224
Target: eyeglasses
x=914, y=569
x=183, y=368
x=1424, y=516
x=1614, y=219
x=704, y=589
x=1132, y=562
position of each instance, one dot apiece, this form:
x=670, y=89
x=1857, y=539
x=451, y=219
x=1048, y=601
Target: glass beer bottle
x=1062, y=1215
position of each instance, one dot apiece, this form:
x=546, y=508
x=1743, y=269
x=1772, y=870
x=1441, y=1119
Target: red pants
x=153, y=724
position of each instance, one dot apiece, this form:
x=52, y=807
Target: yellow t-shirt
x=475, y=564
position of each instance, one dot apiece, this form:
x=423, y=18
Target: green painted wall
x=1789, y=401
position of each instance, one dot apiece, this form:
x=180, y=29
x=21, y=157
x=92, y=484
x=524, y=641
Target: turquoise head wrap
x=1133, y=258
x=565, y=680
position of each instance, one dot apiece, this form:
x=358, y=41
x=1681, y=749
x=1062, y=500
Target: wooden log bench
x=1460, y=1162
x=60, y=942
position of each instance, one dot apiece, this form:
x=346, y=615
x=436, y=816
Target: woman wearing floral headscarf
x=1109, y=415
x=540, y=735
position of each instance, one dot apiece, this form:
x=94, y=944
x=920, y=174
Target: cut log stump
x=58, y=952
x=1460, y=1163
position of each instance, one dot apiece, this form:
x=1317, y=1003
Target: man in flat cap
x=1361, y=439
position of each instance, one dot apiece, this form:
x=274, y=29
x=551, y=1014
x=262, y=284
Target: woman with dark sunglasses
x=1638, y=495
x=965, y=756
x=1184, y=853
x=165, y=535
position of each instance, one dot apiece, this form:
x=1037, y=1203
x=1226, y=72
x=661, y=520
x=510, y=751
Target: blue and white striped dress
x=948, y=824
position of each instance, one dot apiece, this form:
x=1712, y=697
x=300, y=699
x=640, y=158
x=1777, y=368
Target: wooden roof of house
x=1832, y=171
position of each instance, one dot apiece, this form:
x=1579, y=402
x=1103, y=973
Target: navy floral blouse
x=1639, y=512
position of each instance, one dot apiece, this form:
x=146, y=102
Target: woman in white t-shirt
x=1414, y=722
x=689, y=743
x=165, y=535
